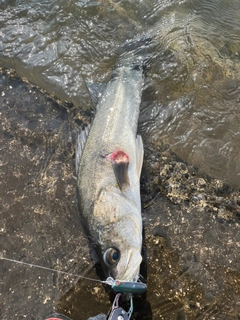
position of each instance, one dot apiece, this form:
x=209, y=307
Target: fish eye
x=111, y=256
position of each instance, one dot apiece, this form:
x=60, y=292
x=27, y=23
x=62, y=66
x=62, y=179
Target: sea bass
x=109, y=156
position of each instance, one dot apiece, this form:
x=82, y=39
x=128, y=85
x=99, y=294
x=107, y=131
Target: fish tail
x=135, y=53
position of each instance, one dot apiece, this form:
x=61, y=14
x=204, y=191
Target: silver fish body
x=109, y=164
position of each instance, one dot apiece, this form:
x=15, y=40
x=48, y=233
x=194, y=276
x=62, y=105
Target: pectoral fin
x=121, y=174
x=120, y=162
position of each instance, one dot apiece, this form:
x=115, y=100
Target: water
x=194, y=105
x=190, y=103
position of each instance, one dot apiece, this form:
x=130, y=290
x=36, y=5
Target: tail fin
x=135, y=52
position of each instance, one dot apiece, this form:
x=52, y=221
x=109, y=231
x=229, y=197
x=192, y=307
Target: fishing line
x=130, y=287
x=49, y=269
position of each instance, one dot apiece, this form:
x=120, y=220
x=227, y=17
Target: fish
x=109, y=158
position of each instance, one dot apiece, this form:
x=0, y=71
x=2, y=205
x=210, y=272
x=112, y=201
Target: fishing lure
x=126, y=286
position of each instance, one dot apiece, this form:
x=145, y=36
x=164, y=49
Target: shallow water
x=190, y=102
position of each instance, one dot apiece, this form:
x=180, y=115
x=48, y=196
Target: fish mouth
x=131, y=268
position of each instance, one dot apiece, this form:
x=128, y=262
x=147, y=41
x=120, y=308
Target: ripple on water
x=222, y=17
x=204, y=132
x=196, y=80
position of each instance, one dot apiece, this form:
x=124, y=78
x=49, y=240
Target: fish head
x=119, y=236
x=121, y=250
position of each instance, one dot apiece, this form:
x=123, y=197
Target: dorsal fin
x=95, y=90
x=80, y=143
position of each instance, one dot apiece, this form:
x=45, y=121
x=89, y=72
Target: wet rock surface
x=192, y=228
x=39, y=218
x=191, y=221
x=182, y=183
